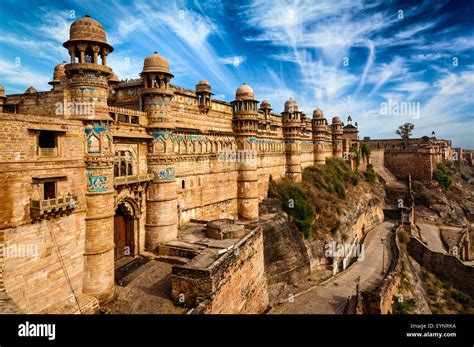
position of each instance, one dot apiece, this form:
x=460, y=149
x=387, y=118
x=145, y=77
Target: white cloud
x=18, y=75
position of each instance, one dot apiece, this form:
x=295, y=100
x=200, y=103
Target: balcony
x=52, y=207
x=48, y=152
x=122, y=180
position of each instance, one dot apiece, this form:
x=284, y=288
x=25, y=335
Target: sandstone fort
x=98, y=171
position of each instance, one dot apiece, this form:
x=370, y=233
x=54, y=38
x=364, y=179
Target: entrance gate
x=123, y=232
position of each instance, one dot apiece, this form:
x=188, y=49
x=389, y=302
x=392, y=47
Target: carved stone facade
x=97, y=167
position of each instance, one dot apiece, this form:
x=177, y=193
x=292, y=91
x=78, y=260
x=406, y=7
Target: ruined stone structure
x=98, y=168
x=419, y=157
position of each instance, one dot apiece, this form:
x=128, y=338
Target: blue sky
x=345, y=57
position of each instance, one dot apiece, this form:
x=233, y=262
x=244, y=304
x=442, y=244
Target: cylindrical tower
x=114, y=81
x=292, y=132
x=59, y=77
x=266, y=110
x=336, y=133
x=162, y=211
x=245, y=124
x=203, y=92
x=86, y=81
x=322, y=147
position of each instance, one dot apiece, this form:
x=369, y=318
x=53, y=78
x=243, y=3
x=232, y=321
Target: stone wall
x=404, y=162
x=39, y=281
x=286, y=257
x=380, y=299
x=446, y=266
x=235, y=283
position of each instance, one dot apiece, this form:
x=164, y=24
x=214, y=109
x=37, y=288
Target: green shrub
x=370, y=174
x=403, y=236
x=403, y=307
x=321, y=188
x=294, y=202
x=461, y=297
x=333, y=177
x=443, y=175
x=424, y=199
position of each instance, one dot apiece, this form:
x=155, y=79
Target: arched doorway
x=124, y=230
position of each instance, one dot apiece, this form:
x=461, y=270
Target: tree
x=404, y=131
x=357, y=156
x=365, y=149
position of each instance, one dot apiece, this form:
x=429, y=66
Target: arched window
x=123, y=164
x=183, y=184
x=123, y=168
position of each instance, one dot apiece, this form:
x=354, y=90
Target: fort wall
x=234, y=283
x=379, y=300
x=446, y=266
x=404, y=162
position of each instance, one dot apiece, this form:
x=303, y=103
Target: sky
x=384, y=63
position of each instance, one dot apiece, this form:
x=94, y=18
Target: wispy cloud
x=345, y=57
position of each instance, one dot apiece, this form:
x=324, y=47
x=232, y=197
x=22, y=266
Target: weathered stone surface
x=234, y=282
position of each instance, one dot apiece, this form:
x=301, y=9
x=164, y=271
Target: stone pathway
x=432, y=236
x=148, y=292
x=331, y=297
x=388, y=177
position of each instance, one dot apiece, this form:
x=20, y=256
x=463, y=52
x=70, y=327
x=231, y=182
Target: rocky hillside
x=454, y=206
x=331, y=204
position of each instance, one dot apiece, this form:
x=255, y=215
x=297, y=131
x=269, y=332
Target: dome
x=2, y=91
x=291, y=103
x=336, y=120
x=114, y=78
x=87, y=29
x=244, y=92
x=265, y=105
x=31, y=90
x=318, y=113
x=59, y=72
x=203, y=87
x=156, y=63
x=349, y=119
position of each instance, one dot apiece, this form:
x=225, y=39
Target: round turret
x=58, y=73
x=291, y=105
x=318, y=113
x=203, y=87
x=336, y=120
x=86, y=29
x=156, y=63
x=114, y=78
x=244, y=92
